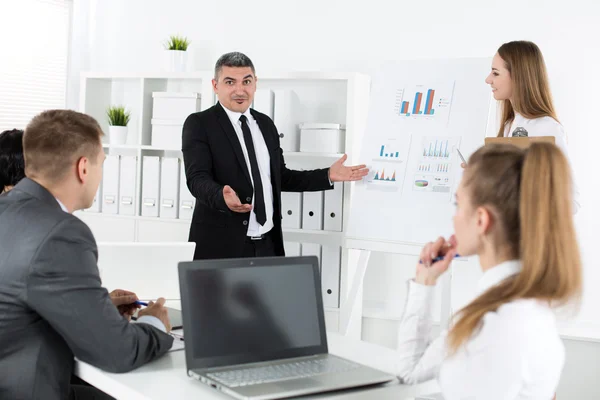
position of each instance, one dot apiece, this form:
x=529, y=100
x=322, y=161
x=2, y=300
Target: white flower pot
x=117, y=134
x=177, y=60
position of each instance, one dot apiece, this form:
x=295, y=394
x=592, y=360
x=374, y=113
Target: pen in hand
x=141, y=303
x=437, y=259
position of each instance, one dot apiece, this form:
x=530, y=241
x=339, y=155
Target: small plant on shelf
x=118, y=118
x=177, y=49
x=177, y=42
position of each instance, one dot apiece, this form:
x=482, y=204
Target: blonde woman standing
x=504, y=345
x=519, y=81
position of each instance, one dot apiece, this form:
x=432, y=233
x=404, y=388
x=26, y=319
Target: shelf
x=154, y=148
x=316, y=235
x=135, y=217
x=273, y=75
x=307, y=75
x=305, y=233
x=147, y=75
x=159, y=219
x=120, y=146
x=290, y=154
x=299, y=154
x=326, y=238
x=137, y=147
x=103, y=215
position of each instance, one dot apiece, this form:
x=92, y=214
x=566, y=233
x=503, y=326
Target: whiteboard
x=420, y=112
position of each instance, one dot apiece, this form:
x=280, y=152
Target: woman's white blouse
x=516, y=355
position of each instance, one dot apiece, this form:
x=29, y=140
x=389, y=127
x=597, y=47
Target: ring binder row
x=329, y=264
x=313, y=210
x=164, y=192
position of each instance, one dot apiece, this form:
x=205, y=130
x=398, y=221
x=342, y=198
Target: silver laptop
x=255, y=329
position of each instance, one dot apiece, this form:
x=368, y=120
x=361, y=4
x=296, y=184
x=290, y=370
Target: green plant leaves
x=118, y=116
x=176, y=42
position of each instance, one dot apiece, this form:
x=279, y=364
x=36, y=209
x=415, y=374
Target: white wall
x=116, y=35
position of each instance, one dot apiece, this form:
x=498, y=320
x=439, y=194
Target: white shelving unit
x=324, y=97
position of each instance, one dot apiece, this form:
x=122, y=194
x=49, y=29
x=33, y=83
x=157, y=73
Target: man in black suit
x=235, y=169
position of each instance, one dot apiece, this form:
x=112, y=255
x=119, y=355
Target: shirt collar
x=62, y=205
x=234, y=116
x=497, y=274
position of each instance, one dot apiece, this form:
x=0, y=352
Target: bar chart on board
x=433, y=173
x=425, y=102
x=388, y=162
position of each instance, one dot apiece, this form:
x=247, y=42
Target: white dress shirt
x=264, y=165
x=145, y=319
x=545, y=126
x=516, y=355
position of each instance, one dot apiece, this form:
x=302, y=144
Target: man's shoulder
x=37, y=217
x=202, y=116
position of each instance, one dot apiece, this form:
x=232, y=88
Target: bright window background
x=34, y=42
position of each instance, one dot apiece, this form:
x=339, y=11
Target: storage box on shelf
x=169, y=111
x=322, y=138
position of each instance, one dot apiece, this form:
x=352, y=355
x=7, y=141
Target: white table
x=166, y=378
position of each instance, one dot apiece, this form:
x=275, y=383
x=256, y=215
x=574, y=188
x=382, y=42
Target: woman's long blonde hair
x=529, y=194
x=531, y=91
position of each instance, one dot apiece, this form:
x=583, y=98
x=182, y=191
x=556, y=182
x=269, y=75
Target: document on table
x=178, y=343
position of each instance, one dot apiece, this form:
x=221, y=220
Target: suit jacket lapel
x=264, y=129
x=233, y=139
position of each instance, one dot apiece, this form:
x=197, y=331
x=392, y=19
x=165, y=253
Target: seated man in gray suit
x=52, y=304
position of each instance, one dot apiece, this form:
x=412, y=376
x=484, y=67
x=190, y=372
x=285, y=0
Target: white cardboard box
x=174, y=106
x=322, y=138
x=166, y=134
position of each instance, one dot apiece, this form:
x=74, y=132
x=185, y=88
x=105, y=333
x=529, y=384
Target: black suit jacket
x=213, y=158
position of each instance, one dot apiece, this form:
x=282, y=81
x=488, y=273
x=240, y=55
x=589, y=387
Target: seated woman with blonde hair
x=514, y=211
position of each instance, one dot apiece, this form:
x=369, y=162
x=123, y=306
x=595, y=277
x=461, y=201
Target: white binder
x=332, y=213
x=312, y=210
x=150, y=185
x=291, y=210
x=127, y=185
x=169, y=187
x=286, y=119
x=110, y=185
x=312, y=249
x=187, y=202
x=292, y=249
x=264, y=102
x=330, y=275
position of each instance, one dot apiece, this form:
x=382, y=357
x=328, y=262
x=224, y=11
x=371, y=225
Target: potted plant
x=177, y=48
x=118, y=118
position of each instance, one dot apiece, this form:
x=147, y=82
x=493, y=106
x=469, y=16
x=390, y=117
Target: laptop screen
x=240, y=311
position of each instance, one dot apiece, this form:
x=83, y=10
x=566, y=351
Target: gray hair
x=234, y=59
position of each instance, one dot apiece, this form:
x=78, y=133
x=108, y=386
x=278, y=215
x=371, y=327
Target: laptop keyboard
x=282, y=372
